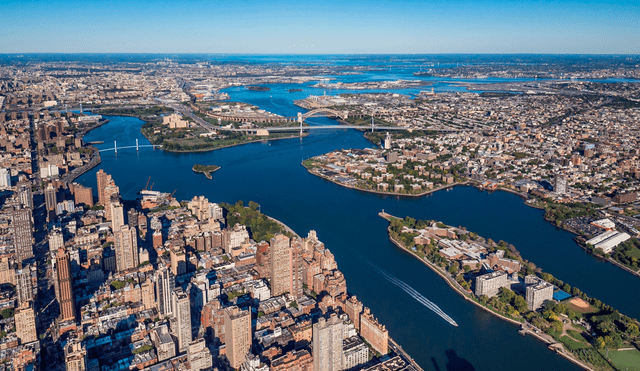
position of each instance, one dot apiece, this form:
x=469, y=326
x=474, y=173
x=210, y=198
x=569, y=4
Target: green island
x=580, y=328
x=205, y=169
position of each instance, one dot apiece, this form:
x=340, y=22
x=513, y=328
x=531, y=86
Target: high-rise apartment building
x=64, y=287
x=182, y=313
x=165, y=283
x=5, y=179
x=82, y=195
x=102, y=179
x=117, y=215
x=178, y=261
x=199, y=356
x=280, y=264
x=26, y=324
x=147, y=293
x=50, y=197
x=374, y=332
x=165, y=347
x=237, y=323
x=538, y=291
x=22, y=233
x=327, y=344
x=25, y=195
x=56, y=241
x=126, y=247
x=24, y=286
x=75, y=356
x=560, y=184
x=7, y=273
x=111, y=193
x=489, y=284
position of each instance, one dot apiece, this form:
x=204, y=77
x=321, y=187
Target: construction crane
x=151, y=189
x=148, y=180
x=172, y=193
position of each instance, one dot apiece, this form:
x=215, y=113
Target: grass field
x=577, y=336
x=572, y=344
x=634, y=253
x=579, y=309
x=626, y=359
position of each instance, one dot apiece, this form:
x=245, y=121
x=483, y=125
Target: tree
x=632, y=329
x=600, y=344
x=506, y=295
x=253, y=205
x=520, y=304
x=7, y=313
x=453, y=268
x=466, y=268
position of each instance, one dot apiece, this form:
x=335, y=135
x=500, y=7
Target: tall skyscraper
x=22, y=233
x=50, y=199
x=280, y=265
x=26, y=324
x=165, y=283
x=102, y=184
x=237, y=336
x=111, y=193
x=327, y=344
x=182, y=313
x=64, y=287
x=126, y=246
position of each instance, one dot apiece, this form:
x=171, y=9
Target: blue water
x=346, y=220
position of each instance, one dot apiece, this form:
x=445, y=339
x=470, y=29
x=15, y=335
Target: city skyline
x=372, y=27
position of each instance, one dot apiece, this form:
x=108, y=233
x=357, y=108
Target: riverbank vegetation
x=261, y=228
x=628, y=254
x=586, y=327
x=556, y=212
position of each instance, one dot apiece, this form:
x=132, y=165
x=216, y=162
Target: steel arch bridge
x=323, y=112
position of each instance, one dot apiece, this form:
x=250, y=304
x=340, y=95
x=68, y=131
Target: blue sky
x=318, y=27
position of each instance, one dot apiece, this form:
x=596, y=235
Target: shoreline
x=462, y=293
x=391, y=341
x=475, y=184
x=468, y=182
x=230, y=145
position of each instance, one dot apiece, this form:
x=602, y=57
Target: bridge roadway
x=330, y=127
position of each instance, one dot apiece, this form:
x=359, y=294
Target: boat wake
x=416, y=295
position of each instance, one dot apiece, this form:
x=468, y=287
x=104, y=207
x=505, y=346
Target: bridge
x=137, y=147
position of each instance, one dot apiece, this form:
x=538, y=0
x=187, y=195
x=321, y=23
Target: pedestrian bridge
x=137, y=147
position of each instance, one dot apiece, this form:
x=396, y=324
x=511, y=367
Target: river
x=346, y=221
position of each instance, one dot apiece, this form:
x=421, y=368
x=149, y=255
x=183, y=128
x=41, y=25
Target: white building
x=5, y=179
x=51, y=171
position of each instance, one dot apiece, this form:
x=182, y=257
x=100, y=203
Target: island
x=494, y=276
x=205, y=169
x=258, y=88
